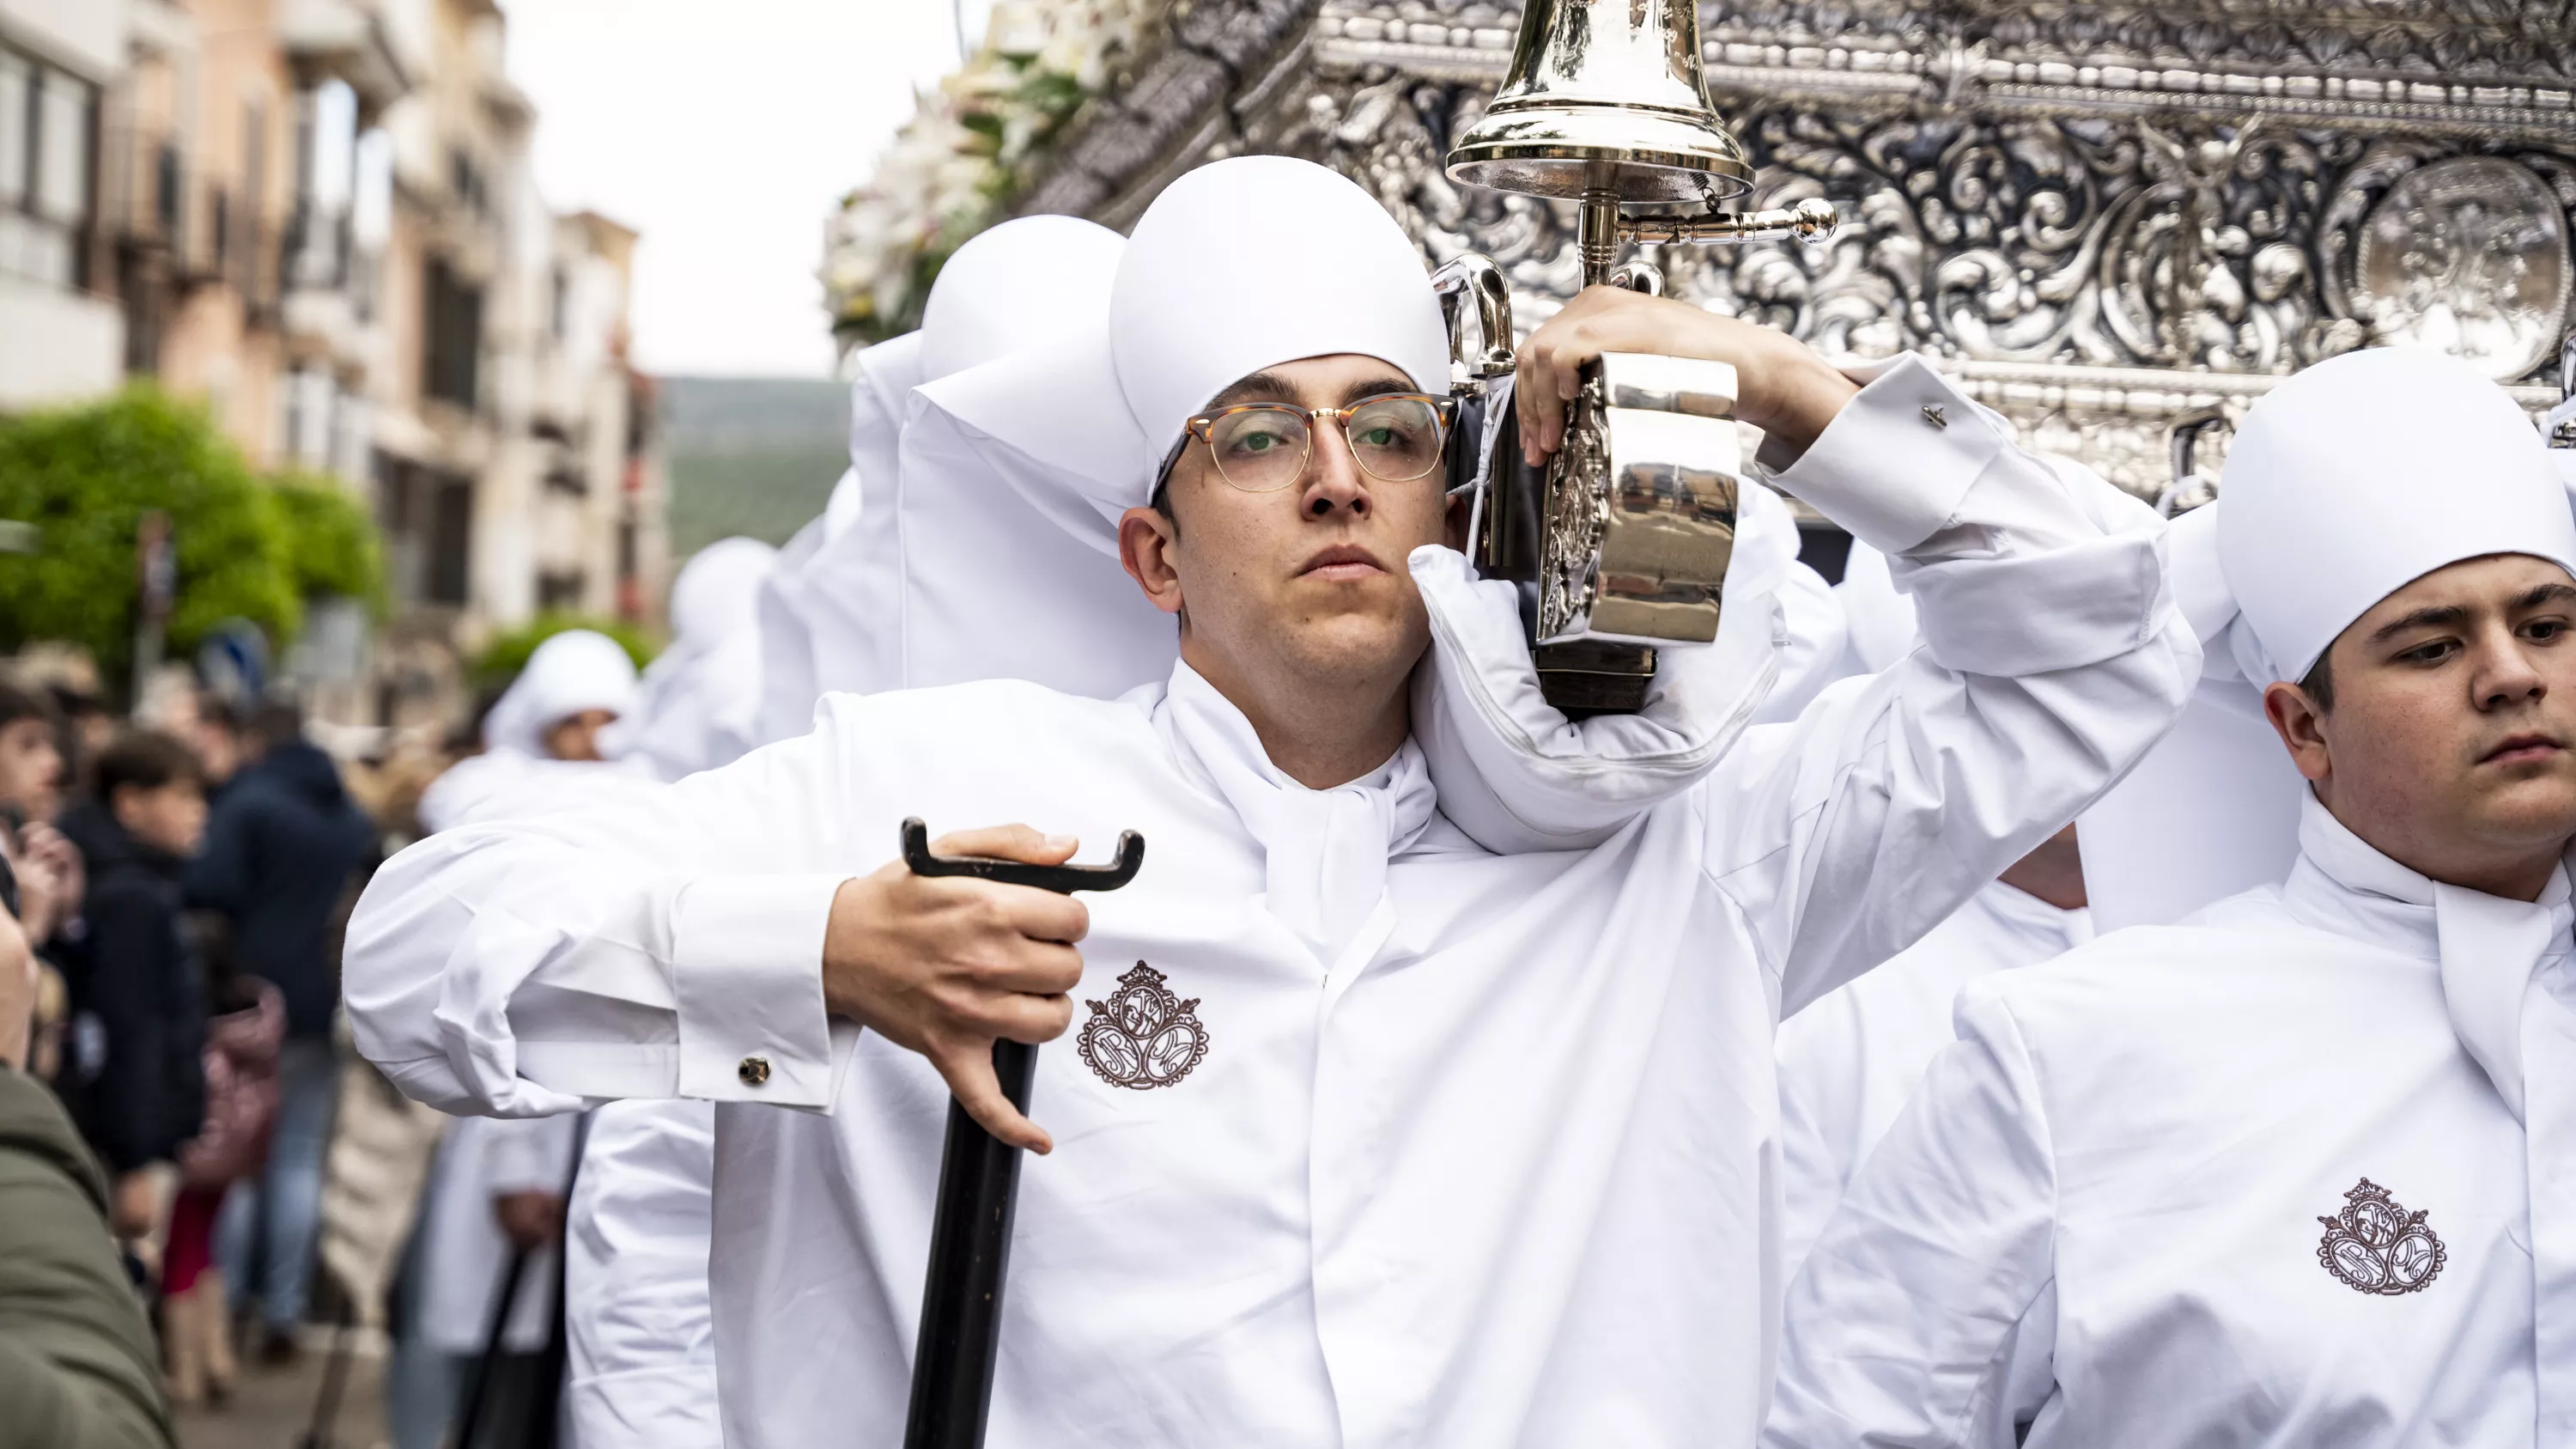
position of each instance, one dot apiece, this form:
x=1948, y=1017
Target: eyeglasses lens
x=1260, y=448
x=1396, y=438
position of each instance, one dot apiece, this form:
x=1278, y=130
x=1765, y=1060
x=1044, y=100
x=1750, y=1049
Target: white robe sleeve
x=2052, y=658
x=1925, y=1314
x=657, y=941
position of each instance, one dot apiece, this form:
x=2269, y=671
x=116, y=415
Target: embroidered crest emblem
x=1143, y=1036
x=2377, y=1246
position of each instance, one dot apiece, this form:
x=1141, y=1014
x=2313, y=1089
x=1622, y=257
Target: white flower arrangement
x=965, y=152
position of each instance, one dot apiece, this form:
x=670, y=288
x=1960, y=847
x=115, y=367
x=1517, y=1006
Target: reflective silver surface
x=1604, y=96
x=1641, y=504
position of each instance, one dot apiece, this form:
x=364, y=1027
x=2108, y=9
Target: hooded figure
x=576, y=673
x=1364, y=1134
x=2278, y=1173
x=701, y=697
x=463, y=1245
x=943, y=560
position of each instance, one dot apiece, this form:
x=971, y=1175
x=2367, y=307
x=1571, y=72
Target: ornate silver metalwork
x=2470, y=256
x=2098, y=214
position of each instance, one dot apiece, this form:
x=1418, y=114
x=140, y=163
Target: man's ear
x=1453, y=528
x=1146, y=540
x=2301, y=726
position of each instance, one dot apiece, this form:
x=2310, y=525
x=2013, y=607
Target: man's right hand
x=948, y=965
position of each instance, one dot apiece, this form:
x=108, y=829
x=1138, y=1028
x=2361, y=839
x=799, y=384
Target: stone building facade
x=2105, y=217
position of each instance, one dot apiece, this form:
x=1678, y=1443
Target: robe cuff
x=747, y=971
x=1896, y=463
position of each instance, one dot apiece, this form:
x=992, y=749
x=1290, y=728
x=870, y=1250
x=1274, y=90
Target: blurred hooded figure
x=944, y=560
x=497, y=1189
x=573, y=687
x=701, y=696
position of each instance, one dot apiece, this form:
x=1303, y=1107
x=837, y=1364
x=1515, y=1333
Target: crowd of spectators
x=169, y=982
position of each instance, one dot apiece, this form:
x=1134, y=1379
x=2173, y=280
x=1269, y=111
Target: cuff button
x=754, y=1071
x=1935, y=415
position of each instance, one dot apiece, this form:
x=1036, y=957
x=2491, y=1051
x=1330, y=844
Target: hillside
x=750, y=455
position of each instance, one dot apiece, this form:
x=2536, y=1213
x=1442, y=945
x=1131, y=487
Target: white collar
x=1326, y=850
x=2489, y=948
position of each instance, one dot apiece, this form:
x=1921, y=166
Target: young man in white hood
x=1368, y=1136
x=2298, y=1171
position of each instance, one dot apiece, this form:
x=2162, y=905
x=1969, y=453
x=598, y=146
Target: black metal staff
x=979, y=1188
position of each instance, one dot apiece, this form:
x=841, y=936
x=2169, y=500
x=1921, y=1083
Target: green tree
x=507, y=654
x=85, y=476
x=332, y=545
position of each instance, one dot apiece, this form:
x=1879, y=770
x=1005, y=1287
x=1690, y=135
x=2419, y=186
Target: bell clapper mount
x=1604, y=104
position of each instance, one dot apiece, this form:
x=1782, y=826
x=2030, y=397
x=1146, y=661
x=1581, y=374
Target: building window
x=48, y=124
x=428, y=518
x=454, y=336
x=451, y=539
x=560, y=590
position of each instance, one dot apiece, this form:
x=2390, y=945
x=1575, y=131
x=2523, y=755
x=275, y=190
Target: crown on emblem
x=2376, y=1246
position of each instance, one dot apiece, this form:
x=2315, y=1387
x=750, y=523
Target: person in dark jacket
x=76, y=1368
x=138, y=1004
x=282, y=857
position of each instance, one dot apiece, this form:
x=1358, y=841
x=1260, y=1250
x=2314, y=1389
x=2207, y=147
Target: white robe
x=701, y=707
x=465, y=1256
x=1498, y=1174
x=1849, y=1063
x=2124, y=1162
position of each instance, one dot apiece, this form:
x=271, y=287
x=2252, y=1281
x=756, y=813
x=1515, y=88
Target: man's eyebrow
x=1376, y=387
x=1259, y=387
x=2546, y=594
x=2430, y=617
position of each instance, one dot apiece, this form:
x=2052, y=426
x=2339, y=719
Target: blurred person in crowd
x=133, y=1078
x=214, y=730
x=75, y=1353
x=243, y=1034
x=32, y=774
x=89, y=728
x=282, y=861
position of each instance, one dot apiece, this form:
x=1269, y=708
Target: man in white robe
x=1418, y=1144
x=1849, y=1062
x=2296, y=1170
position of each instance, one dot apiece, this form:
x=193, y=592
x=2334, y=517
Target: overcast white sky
x=723, y=130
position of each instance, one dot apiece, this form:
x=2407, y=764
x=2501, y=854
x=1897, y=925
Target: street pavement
x=272, y=1408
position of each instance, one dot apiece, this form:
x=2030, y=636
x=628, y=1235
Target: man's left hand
x=1782, y=386
x=529, y=1219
